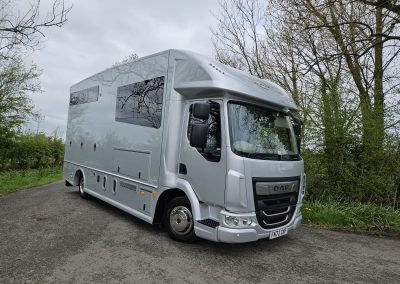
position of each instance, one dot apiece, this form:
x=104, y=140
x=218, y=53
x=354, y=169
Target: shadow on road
x=224, y=249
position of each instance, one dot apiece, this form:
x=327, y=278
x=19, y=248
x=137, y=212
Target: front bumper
x=228, y=235
x=241, y=235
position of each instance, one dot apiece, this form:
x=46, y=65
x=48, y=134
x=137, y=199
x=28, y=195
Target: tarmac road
x=49, y=234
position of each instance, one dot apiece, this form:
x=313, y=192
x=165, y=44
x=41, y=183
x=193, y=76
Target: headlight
x=235, y=221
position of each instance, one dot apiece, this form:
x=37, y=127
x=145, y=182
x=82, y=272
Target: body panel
x=206, y=177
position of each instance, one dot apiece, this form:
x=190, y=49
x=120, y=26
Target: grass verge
x=354, y=216
x=20, y=179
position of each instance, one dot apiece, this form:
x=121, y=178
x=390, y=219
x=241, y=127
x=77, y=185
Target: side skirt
x=120, y=206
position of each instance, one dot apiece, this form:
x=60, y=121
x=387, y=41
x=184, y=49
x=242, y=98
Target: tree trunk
x=378, y=80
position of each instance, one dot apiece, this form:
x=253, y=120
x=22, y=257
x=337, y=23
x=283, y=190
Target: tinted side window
x=141, y=103
x=212, y=151
x=89, y=95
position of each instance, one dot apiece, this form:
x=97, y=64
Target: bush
x=346, y=178
x=33, y=151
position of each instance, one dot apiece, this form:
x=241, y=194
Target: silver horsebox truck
x=179, y=139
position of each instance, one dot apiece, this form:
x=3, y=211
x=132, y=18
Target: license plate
x=278, y=233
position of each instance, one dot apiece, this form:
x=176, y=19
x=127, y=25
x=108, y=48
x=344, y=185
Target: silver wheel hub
x=81, y=185
x=181, y=220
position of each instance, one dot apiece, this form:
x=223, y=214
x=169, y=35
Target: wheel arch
x=78, y=175
x=181, y=190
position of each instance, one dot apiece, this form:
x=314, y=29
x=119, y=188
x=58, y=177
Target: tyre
x=179, y=220
x=81, y=186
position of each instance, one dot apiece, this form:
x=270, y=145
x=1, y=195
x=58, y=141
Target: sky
x=99, y=33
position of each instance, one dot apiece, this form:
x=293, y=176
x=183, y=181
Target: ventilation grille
x=275, y=210
x=127, y=185
x=209, y=223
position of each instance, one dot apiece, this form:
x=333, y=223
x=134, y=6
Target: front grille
x=275, y=210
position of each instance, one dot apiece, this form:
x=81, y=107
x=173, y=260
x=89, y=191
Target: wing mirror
x=198, y=135
x=297, y=129
x=201, y=110
x=297, y=132
x=298, y=141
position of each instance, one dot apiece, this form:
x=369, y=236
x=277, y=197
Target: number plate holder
x=278, y=233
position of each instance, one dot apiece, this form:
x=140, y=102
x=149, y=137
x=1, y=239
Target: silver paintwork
x=123, y=150
x=109, y=174
x=199, y=169
x=236, y=193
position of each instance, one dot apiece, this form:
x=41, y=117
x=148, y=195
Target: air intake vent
x=209, y=223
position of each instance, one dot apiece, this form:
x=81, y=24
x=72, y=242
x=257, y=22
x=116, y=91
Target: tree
x=391, y=5
x=341, y=75
x=16, y=108
x=367, y=35
x=20, y=32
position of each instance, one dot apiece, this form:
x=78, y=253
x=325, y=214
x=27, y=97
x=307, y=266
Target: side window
x=141, y=103
x=212, y=151
x=89, y=95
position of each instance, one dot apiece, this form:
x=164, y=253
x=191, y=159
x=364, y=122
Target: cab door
x=205, y=169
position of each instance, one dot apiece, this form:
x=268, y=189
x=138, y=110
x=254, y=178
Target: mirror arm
x=296, y=119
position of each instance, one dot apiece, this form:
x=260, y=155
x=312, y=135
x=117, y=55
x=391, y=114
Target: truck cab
x=238, y=151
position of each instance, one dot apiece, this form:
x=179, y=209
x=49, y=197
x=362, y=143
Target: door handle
x=182, y=169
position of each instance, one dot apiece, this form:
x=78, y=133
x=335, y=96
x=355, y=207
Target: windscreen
x=261, y=133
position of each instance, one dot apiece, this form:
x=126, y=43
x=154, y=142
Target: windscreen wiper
x=266, y=156
x=289, y=157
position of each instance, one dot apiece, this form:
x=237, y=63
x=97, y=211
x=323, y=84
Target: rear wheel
x=179, y=220
x=81, y=187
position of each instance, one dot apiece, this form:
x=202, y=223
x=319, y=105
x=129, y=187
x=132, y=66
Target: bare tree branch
x=26, y=31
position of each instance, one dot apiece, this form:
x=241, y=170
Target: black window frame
x=295, y=157
x=211, y=156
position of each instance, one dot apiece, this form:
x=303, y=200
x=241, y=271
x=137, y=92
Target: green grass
x=355, y=216
x=20, y=179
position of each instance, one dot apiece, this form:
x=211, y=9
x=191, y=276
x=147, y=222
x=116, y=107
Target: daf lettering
x=281, y=188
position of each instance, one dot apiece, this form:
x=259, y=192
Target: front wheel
x=81, y=186
x=179, y=220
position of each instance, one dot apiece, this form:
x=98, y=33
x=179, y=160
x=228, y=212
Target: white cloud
x=99, y=33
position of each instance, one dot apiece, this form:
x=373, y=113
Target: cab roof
x=196, y=75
